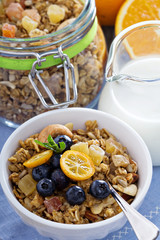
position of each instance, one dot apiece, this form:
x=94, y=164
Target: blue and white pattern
x=12, y=228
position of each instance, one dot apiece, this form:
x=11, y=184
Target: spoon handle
x=143, y=228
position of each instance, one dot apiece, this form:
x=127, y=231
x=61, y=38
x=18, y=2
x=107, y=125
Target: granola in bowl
x=97, y=149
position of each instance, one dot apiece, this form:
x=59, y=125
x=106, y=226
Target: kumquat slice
x=77, y=165
x=38, y=159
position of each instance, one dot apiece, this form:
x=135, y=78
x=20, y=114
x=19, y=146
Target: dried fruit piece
x=55, y=13
x=9, y=30
x=33, y=14
x=53, y=203
x=113, y=146
x=38, y=159
x=27, y=184
x=76, y=165
x=120, y=160
x=29, y=24
x=14, y=11
x=81, y=147
x=96, y=153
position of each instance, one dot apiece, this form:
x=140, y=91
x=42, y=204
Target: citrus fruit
x=107, y=11
x=96, y=153
x=38, y=159
x=81, y=147
x=145, y=41
x=134, y=11
x=77, y=165
x=101, y=45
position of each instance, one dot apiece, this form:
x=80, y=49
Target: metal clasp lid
x=66, y=64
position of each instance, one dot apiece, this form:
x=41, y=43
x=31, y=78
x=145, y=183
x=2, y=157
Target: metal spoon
x=143, y=228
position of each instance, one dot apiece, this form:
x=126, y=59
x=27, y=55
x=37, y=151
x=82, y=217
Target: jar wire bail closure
x=66, y=64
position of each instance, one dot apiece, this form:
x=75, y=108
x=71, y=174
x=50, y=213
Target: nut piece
x=132, y=167
x=66, y=23
x=119, y=179
x=129, y=190
x=97, y=208
x=92, y=217
x=69, y=126
x=54, y=130
x=8, y=84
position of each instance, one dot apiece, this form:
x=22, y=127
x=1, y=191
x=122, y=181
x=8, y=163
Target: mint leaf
x=52, y=145
x=41, y=144
x=51, y=141
x=62, y=145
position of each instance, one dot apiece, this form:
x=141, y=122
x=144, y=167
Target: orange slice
x=77, y=165
x=38, y=159
x=145, y=41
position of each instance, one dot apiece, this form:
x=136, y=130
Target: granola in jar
x=37, y=166
x=31, y=26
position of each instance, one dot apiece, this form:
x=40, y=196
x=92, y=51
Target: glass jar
x=60, y=69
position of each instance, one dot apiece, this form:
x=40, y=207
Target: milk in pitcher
x=137, y=103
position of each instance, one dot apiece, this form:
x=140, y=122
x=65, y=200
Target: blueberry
x=64, y=138
x=45, y=187
x=55, y=160
x=40, y=172
x=75, y=195
x=99, y=189
x=60, y=179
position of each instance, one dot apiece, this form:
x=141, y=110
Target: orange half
x=133, y=11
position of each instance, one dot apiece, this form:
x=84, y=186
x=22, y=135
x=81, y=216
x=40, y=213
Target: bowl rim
x=48, y=223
